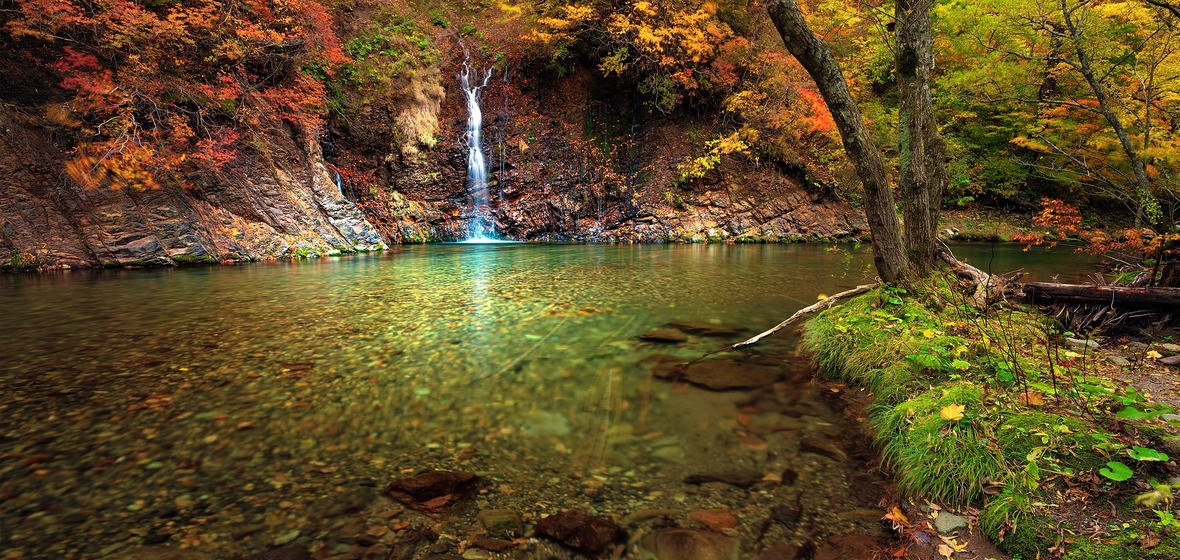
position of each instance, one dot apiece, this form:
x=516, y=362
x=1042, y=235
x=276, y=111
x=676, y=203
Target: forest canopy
x=1065, y=99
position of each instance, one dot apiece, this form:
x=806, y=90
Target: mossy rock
x=1030, y=536
x=1125, y=544
x=1068, y=440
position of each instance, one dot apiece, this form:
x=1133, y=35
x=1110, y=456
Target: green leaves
x=1146, y=454
x=1116, y=471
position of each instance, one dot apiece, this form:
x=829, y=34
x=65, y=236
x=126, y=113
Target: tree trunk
x=922, y=151
x=1148, y=207
x=816, y=57
x=1040, y=292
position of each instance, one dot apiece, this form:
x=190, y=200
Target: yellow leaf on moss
x=953, y=412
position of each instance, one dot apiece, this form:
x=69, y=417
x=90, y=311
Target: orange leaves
x=820, y=119
x=184, y=69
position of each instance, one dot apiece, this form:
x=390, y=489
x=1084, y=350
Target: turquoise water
x=141, y=405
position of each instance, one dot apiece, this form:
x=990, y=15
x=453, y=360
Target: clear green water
x=139, y=404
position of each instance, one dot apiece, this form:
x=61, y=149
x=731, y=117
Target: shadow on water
x=228, y=409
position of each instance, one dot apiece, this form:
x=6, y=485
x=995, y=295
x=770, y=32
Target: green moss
x=1065, y=440
x=1122, y=545
x=1007, y=520
x=185, y=259
x=21, y=261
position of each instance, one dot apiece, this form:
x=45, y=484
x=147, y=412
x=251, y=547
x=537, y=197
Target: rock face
x=279, y=197
x=286, y=206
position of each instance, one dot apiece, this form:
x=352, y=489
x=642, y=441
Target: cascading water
x=481, y=228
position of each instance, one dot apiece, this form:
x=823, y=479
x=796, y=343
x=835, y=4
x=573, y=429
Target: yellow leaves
x=897, y=517
x=1034, y=398
x=952, y=412
x=1153, y=355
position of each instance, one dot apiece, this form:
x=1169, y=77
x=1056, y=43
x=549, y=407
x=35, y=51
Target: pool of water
x=224, y=408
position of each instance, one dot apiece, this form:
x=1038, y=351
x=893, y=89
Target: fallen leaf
x=1033, y=398
x=945, y=551
x=897, y=517
x=953, y=412
x=1152, y=354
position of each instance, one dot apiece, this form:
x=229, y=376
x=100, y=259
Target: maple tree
x=163, y=90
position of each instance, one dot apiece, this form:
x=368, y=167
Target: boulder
x=690, y=544
x=581, y=531
x=728, y=375
x=434, y=491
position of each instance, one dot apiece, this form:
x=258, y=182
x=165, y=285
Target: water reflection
x=211, y=394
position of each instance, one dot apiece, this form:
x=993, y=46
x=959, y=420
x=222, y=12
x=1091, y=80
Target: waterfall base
x=481, y=239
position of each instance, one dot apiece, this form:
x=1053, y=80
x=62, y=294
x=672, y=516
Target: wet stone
x=690, y=544
x=434, y=491
x=493, y=544
x=715, y=520
x=822, y=447
x=165, y=553
x=843, y=547
x=740, y=479
x=727, y=375
x=580, y=531
x=501, y=522
x=285, y=553
x=708, y=329
x=663, y=335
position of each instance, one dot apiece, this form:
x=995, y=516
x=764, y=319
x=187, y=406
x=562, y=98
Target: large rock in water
x=690, y=544
x=708, y=329
x=580, y=531
x=728, y=375
x=434, y=491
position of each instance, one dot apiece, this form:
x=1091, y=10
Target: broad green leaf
x=1116, y=471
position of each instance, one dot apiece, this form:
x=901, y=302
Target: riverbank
x=1010, y=422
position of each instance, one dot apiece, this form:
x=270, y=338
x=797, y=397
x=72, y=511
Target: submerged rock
x=285, y=553
x=842, y=547
x=727, y=375
x=715, y=520
x=664, y=335
x=740, y=479
x=434, y=491
x=708, y=329
x=580, y=531
x=690, y=544
x=501, y=522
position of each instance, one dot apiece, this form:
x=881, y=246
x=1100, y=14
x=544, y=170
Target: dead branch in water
x=818, y=306
x=985, y=288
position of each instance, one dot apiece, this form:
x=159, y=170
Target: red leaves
x=173, y=106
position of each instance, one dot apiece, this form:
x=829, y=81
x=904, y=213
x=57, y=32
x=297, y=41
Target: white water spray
x=482, y=228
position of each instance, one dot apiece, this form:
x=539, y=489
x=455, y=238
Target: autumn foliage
x=163, y=90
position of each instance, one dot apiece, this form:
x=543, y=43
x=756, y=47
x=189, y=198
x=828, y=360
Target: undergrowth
x=992, y=409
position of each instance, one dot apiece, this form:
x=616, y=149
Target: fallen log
x=1050, y=292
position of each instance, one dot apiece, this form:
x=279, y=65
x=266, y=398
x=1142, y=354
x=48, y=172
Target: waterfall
x=481, y=226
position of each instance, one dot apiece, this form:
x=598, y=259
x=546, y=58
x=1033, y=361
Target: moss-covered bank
x=1003, y=411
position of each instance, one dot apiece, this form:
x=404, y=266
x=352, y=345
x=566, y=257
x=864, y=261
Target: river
x=221, y=410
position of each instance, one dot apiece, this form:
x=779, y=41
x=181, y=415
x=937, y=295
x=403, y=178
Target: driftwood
x=986, y=288
x=1048, y=292
x=820, y=305
x=817, y=306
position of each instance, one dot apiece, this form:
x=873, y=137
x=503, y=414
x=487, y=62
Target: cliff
x=570, y=159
